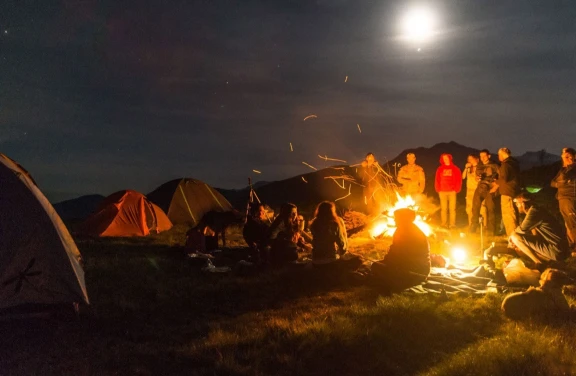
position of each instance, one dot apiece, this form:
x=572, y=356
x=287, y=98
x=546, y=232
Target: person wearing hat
x=412, y=177
x=539, y=237
x=407, y=263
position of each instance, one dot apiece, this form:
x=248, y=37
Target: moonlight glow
x=418, y=24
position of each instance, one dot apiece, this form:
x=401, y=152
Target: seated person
x=329, y=240
x=201, y=239
x=255, y=231
x=546, y=301
x=407, y=263
x=540, y=237
x=283, y=236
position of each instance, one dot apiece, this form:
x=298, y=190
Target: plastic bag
x=517, y=273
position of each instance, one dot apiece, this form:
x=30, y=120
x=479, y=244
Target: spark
x=256, y=171
x=346, y=79
x=304, y=180
x=359, y=129
x=349, y=193
x=331, y=159
x=312, y=167
x=343, y=186
x=310, y=117
x=291, y=148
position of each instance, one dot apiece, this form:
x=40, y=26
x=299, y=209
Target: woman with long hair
x=329, y=239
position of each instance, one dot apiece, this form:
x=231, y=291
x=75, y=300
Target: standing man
x=448, y=183
x=508, y=184
x=565, y=182
x=412, y=177
x=486, y=175
x=371, y=182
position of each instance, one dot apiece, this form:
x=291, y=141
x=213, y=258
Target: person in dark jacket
x=539, y=236
x=329, y=240
x=283, y=236
x=407, y=263
x=565, y=182
x=255, y=232
x=448, y=183
x=509, y=186
x=486, y=175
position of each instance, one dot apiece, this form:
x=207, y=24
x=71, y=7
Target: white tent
x=39, y=261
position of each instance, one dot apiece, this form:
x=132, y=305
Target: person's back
x=410, y=250
x=328, y=238
x=408, y=261
x=255, y=232
x=544, y=225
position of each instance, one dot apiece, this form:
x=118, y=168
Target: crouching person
x=544, y=302
x=330, y=242
x=407, y=263
x=539, y=237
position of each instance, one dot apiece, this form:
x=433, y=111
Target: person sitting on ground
x=255, y=231
x=407, y=263
x=539, y=237
x=546, y=301
x=283, y=236
x=201, y=239
x=329, y=239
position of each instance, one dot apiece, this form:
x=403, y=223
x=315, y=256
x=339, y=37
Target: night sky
x=101, y=96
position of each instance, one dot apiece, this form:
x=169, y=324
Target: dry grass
x=154, y=313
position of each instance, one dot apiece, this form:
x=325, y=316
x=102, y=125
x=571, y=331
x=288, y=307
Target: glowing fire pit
x=384, y=224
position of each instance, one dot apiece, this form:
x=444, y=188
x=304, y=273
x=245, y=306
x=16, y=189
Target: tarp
x=39, y=261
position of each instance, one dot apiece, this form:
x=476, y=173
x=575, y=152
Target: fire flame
x=385, y=225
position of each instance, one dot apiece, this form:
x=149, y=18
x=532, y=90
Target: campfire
x=384, y=224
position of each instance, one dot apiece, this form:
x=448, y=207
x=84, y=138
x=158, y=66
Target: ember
x=384, y=224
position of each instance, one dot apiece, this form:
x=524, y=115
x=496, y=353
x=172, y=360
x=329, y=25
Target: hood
x=442, y=157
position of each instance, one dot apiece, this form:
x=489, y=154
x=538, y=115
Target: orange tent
x=126, y=213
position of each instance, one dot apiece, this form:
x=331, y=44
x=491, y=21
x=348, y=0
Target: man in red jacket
x=448, y=183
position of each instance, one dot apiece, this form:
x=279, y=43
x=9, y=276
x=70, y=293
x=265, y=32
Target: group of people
x=406, y=264
x=487, y=182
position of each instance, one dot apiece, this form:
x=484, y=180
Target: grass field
x=154, y=313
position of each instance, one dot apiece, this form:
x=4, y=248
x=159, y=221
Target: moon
x=418, y=24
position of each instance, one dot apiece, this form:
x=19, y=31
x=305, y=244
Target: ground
x=153, y=312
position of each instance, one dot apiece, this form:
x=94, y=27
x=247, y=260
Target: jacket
x=412, y=179
x=410, y=251
x=509, y=178
x=327, y=239
x=488, y=173
x=565, y=182
x=448, y=178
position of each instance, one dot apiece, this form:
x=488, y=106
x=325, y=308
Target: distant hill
x=78, y=208
x=533, y=159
